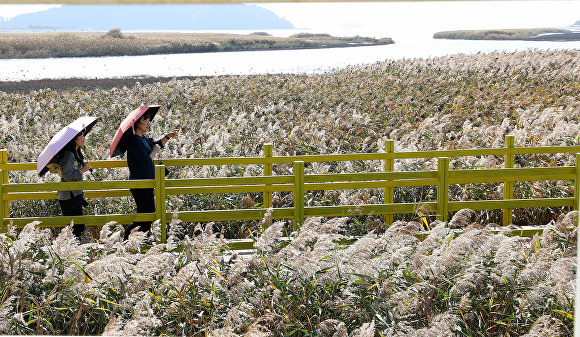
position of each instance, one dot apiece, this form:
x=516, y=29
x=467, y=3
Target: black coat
x=140, y=164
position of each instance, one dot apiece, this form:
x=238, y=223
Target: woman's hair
x=146, y=115
x=71, y=146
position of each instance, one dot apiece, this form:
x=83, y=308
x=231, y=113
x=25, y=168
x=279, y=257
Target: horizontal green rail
x=78, y=185
x=52, y=195
x=87, y=219
x=511, y=203
x=369, y=176
x=369, y=184
x=366, y=209
x=229, y=189
x=516, y=174
x=255, y=180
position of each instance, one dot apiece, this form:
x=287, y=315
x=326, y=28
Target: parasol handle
x=91, y=169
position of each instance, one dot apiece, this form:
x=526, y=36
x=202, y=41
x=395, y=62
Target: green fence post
x=443, y=188
x=298, y=194
x=4, y=204
x=508, y=186
x=2, y=228
x=268, y=168
x=577, y=303
x=389, y=167
x=577, y=189
x=160, y=200
x=268, y=172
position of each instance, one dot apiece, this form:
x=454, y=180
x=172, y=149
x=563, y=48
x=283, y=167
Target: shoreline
x=540, y=34
x=84, y=84
x=564, y=37
x=116, y=43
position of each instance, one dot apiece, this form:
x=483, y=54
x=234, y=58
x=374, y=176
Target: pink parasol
x=62, y=138
x=117, y=147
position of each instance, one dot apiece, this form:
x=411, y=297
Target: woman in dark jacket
x=72, y=166
x=140, y=154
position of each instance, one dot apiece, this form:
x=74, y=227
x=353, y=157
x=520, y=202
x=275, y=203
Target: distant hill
x=149, y=17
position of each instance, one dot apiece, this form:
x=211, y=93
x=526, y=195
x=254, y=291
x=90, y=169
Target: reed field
x=117, y=43
x=349, y=276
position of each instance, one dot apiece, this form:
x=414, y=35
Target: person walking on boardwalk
x=64, y=157
x=140, y=153
x=72, y=166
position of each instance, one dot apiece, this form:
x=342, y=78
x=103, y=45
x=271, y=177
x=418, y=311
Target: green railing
x=299, y=183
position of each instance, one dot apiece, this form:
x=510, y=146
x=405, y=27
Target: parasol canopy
x=58, y=142
x=118, y=146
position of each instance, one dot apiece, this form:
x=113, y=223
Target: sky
x=441, y=15
x=392, y=18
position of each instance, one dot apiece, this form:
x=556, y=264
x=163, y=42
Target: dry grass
x=473, y=283
x=497, y=34
x=116, y=43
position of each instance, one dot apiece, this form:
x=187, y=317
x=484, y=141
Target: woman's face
x=144, y=124
x=80, y=140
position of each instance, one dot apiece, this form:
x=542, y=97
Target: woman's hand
x=168, y=136
x=172, y=134
x=85, y=168
x=155, y=151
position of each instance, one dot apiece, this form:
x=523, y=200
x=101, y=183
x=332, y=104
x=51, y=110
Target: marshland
x=385, y=282
x=539, y=34
x=118, y=43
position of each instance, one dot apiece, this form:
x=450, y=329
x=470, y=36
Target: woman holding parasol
x=64, y=157
x=72, y=166
x=141, y=150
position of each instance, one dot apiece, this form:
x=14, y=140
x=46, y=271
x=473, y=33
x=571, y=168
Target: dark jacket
x=140, y=164
x=70, y=171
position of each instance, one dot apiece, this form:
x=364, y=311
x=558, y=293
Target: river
x=254, y=62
